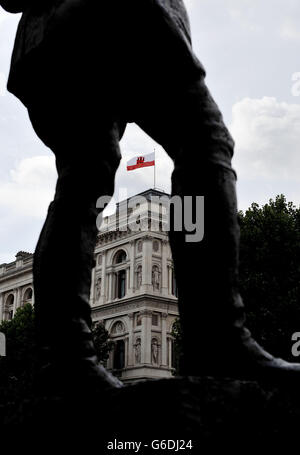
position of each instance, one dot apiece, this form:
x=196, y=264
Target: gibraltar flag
x=141, y=161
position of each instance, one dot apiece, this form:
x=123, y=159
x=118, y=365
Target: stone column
x=103, y=296
x=130, y=340
x=110, y=284
x=92, y=296
x=15, y=293
x=132, y=267
x=164, y=269
x=170, y=280
x=146, y=337
x=127, y=281
x=147, y=265
x=170, y=352
x=164, y=352
x=126, y=352
x=16, y=299
x=19, y=297
x=1, y=307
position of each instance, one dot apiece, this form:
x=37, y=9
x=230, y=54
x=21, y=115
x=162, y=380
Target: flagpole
x=154, y=170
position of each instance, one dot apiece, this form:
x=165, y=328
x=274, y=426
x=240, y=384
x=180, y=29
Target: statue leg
x=215, y=340
x=64, y=256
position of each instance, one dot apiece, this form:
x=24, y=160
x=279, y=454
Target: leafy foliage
x=17, y=368
x=102, y=343
x=270, y=273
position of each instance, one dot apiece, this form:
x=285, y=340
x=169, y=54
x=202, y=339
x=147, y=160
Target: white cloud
x=267, y=135
x=244, y=15
x=290, y=31
x=3, y=15
x=30, y=187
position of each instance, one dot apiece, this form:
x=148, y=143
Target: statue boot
x=63, y=262
x=212, y=314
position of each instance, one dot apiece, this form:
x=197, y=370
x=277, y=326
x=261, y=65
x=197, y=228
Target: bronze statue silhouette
x=84, y=70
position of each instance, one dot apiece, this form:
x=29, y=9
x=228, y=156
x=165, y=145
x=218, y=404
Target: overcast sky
x=250, y=49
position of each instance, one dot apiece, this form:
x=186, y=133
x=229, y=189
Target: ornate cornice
x=144, y=303
x=112, y=236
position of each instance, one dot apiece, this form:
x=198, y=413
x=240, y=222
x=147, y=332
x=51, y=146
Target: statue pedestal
x=206, y=410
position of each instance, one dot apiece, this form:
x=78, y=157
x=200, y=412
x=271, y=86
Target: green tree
x=17, y=368
x=103, y=344
x=270, y=273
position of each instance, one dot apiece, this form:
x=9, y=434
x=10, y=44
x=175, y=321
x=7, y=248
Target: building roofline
x=146, y=194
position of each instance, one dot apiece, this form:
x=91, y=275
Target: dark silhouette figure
x=84, y=70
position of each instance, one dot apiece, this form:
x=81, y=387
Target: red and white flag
x=141, y=161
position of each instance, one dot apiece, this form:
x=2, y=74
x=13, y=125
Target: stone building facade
x=133, y=288
x=16, y=287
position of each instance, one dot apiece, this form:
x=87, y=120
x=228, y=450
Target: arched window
x=27, y=295
x=9, y=307
x=120, y=257
x=119, y=355
x=119, y=285
x=118, y=328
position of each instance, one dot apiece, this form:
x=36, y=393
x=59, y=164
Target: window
x=120, y=257
x=27, y=295
x=118, y=328
x=9, y=307
x=155, y=246
x=155, y=319
x=119, y=355
x=117, y=334
x=160, y=211
x=121, y=284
